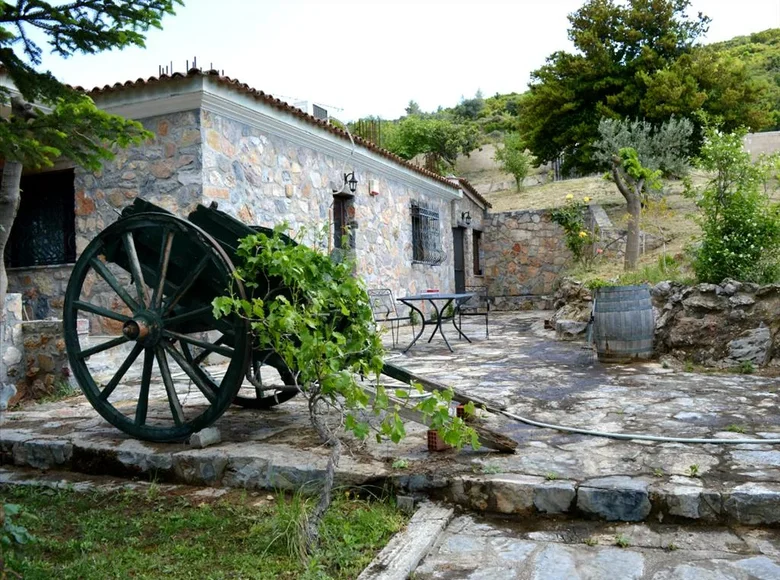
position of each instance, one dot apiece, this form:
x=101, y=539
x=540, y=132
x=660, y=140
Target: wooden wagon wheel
x=149, y=279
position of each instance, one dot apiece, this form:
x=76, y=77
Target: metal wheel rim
x=227, y=388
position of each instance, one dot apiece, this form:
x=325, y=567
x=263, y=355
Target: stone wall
x=165, y=170
x=525, y=253
x=721, y=325
x=718, y=325
x=264, y=179
x=12, y=347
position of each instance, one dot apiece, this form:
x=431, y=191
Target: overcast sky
x=371, y=57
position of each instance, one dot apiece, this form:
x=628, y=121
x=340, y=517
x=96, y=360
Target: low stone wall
x=34, y=362
x=45, y=358
x=720, y=325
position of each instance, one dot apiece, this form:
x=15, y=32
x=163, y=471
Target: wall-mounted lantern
x=466, y=218
x=351, y=181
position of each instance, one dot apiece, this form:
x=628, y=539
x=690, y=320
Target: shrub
x=740, y=226
x=571, y=218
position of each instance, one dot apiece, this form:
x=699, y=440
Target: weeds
x=591, y=542
x=735, y=429
x=622, y=541
x=658, y=472
x=693, y=470
x=400, y=464
x=551, y=476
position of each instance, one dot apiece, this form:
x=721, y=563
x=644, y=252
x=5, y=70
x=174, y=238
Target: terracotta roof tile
x=282, y=106
x=464, y=183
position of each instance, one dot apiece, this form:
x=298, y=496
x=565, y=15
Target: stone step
x=476, y=548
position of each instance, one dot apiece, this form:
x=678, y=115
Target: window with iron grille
x=44, y=231
x=426, y=236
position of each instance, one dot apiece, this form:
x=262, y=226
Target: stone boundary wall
x=720, y=325
x=525, y=253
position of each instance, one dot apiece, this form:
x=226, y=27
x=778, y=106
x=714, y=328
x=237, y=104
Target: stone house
x=263, y=161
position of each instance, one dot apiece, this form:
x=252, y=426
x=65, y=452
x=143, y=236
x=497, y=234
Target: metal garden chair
x=383, y=305
x=477, y=305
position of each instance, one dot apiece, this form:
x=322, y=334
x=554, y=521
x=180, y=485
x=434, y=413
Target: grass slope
x=152, y=535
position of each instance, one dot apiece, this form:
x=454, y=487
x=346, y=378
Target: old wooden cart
x=149, y=280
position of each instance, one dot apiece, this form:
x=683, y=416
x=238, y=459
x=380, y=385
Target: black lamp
x=351, y=181
x=466, y=218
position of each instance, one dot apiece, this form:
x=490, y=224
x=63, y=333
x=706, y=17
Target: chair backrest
x=480, y=298
x=382, y=303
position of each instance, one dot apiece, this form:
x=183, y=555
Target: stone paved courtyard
x=522, y=368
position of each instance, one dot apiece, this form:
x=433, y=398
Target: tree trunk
x=631, y=190
x=332, y=440
x=9, y=204
x=632, y=237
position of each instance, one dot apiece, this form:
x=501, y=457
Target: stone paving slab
x=521, y=367
x=475, y=549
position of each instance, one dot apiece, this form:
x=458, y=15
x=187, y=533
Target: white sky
x=371, y=57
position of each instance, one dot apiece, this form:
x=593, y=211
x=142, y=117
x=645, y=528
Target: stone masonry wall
x=524, y=254
x=12, y=359
x=264, y=179
x=165, y=170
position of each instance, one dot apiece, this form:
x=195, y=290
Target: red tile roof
x=464, y=183
x=267, y=99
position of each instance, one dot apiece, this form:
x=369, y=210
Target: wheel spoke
x=186, y=284
x=104, y=272
x=173, y=398
x=109, y=388
x=165, y=258
x=192, y=314
x=100, y=311
x=135, y=267
x=202, y=355
x=103, y=346
x=223, y=350
x=197, y=377
x=143, y=395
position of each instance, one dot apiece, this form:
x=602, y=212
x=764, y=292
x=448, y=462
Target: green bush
x=740, y=226
x=571, y=217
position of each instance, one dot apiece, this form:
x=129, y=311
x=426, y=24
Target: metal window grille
x=426, y=235
x=44, y=231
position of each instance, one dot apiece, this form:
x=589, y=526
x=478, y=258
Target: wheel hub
x=144, y=327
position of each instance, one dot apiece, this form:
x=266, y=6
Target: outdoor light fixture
x=351, y=181
x=466, y=218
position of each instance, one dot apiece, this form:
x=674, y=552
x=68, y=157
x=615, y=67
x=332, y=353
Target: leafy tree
x=760, y=53
x=48, y=119
x=634, y=59
x=439, y=140
x=740, y=226
x=638, y=154
x=512, y=158
x=413, y=108
x=470, y=108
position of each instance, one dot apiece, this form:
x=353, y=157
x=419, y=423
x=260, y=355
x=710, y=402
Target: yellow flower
x=586, y=199
x=583, y=234
x=570, y=196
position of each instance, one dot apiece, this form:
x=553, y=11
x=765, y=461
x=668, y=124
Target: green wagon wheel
x=272, y=382
x=147, y=281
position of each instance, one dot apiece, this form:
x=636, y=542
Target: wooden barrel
x=623, y=324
